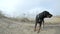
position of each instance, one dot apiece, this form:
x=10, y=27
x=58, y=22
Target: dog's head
x=47, y=14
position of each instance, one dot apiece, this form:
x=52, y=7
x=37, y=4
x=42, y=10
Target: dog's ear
x=45, y=13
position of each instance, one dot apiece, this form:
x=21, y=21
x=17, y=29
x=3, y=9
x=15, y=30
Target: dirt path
x=10, y=27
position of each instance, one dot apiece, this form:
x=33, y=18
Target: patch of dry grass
x=55, y=19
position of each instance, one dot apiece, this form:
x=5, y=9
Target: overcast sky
x=29, y=7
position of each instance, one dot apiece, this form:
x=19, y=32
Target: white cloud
x=16, y=7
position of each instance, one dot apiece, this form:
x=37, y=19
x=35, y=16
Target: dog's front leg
x=43, y=23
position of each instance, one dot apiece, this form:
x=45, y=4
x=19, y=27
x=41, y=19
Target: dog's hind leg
x=35, y=26
x=39, y=27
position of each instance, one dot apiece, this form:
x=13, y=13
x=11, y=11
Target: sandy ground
x=10, y=27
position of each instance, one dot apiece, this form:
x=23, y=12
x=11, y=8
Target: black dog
x=40, y=19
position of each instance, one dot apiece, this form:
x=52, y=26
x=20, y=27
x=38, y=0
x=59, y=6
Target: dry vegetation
x=54, y=19
x=26, y=26
x=14, y=26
